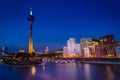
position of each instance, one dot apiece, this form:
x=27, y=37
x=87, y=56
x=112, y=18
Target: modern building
x=88, y=46
x=78, y=50
x=98, y=51
x=31, y=20
x=72, y=50
x=108, y=44
x=85, y=44
x=71, y=45
x=65, y=52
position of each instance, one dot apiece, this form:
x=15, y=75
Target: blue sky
x=56, y=21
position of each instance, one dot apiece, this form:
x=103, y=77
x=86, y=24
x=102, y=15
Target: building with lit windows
x=72, y=49
x=91, y=47
x=108, y=44
x=88, y=46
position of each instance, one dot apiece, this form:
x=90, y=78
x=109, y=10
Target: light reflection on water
x=43, y=68
x=87, y=72
x=109, y=73
x=33, y=70
x=62, y=69
x=52, y=71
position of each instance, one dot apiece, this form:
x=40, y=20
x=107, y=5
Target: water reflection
x=43, y=67
x=110, y=74
x=44, y=74
x=33, y=70
x=69, y=71
x=87, y=71
x=66, y=71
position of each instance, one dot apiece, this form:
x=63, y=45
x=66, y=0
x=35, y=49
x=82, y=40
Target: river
x=52, y=71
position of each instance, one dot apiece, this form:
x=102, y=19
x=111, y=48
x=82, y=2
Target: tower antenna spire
x=31, y=11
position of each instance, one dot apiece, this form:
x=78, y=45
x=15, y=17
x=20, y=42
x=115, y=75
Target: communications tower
x=31, y=20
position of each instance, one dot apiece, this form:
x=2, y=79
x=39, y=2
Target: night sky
x=56, y=21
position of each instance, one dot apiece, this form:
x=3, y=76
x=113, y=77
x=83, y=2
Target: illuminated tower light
x=31, y=20
x=30, y=11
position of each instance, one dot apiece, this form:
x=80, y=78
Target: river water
x=52, y=71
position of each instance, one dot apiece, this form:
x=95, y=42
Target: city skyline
x=56, y=21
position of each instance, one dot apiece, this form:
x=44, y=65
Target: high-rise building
x=31, y=20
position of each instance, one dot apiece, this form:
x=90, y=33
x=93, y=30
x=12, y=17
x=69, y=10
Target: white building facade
x=72, y=49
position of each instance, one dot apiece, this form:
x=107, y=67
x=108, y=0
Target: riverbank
x=99, y=60
x=96, y=62
x=92, y=60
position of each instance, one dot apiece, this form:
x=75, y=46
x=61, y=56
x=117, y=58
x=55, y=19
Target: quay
x=94, y=60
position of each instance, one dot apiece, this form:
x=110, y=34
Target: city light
x=72, y=50
x=33, y=70
x=92, y=48
x=60, y=40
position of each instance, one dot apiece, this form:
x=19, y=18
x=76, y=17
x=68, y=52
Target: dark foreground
x=52, y=71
